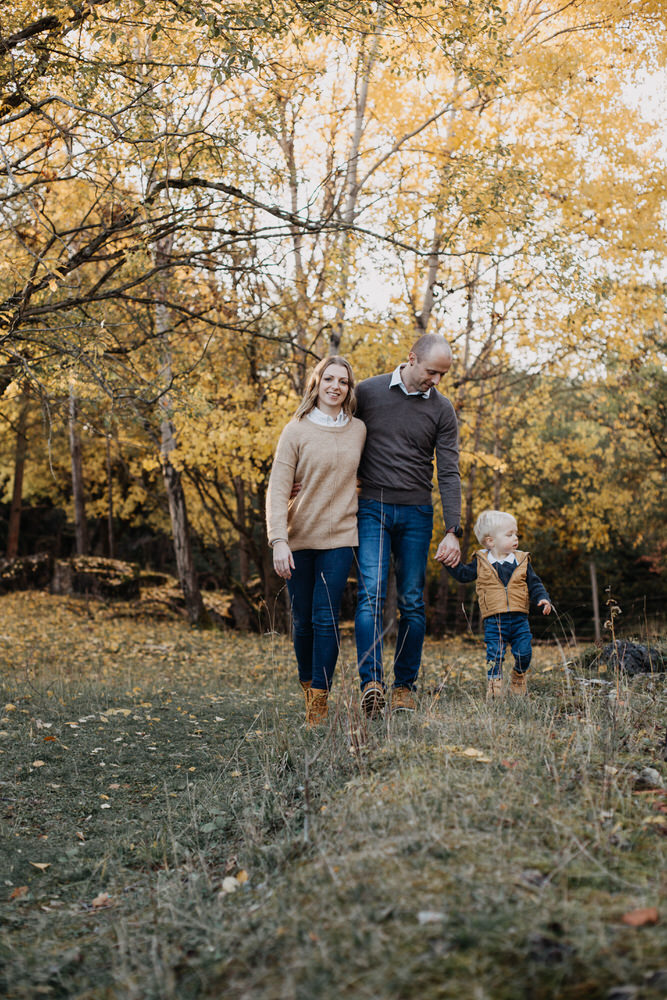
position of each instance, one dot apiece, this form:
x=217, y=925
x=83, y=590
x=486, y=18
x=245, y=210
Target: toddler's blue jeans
x=508, y=629
x=316, y=589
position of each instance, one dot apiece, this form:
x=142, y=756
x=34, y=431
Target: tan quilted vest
x=494, y=598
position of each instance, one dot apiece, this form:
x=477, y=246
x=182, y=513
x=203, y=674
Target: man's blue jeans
x=316, y=589
x=404, y=531
x=508, y=629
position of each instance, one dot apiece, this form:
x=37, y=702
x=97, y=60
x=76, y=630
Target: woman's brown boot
x=306, y=685
x=317, y=708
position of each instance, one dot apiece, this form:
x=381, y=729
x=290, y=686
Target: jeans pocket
x=425, y=508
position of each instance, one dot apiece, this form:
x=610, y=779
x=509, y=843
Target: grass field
x=170, y=829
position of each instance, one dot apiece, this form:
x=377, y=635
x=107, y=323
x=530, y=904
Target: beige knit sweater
x=324, y=460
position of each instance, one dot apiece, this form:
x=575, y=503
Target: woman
x=313, y=534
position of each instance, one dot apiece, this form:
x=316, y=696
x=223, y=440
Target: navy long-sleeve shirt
x=467, y=572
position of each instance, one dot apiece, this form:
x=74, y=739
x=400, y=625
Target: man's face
x=421, y=374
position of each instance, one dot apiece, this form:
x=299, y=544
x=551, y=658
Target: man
x=407, y=422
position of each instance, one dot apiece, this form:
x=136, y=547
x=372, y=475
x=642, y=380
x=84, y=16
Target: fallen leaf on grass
x=104, y=899
x=641, y=917
x=242, y=876
x=19, y=892
x=477, y=755
x=42, y=865
x=38, y=763
x=230, y=884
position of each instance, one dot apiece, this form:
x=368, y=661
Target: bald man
x=408, y=422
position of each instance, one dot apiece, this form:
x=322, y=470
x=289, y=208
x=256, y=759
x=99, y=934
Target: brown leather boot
x=403, y=700
x=372, y=699
x=317, y=708
x=306, y=685
x=494, y=689
x=518, y=684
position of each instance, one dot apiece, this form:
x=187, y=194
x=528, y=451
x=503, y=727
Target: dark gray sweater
x=403, y=434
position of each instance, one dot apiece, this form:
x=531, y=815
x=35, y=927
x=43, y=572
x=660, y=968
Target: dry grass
x=472, y=850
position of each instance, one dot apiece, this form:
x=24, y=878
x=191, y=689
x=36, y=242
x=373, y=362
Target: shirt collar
x=324, y=420
x=511, y=558
x=397, y=380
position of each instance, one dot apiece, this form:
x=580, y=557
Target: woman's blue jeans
x=316, y=590
x=404, y=531
x=508, y=629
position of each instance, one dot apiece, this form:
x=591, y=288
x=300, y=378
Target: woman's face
x=333, y=389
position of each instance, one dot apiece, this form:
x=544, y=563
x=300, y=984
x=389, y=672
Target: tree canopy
x=200, y=199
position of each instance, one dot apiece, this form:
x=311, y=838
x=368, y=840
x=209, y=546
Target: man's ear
x=412, y=357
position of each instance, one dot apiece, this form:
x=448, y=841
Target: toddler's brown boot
x=518, y=684
x=494, y=689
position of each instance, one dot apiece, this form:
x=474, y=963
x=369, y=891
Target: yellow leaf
x=477, y=755
x=42, y=865
x=38, y=763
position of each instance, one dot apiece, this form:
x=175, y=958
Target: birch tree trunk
x=173, y=484
x=14, y=528
x=80, y=525
x=109, y=498
x=365, y=65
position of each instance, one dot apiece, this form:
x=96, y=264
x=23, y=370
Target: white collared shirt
x=511, y=558
x=397, y=380
x=324, y=420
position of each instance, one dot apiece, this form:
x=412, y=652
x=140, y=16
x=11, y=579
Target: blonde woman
x=314, y=533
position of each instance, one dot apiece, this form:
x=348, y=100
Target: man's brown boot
x=403, y=700
x=372, y=699
x=317, y=708
x=518, y=684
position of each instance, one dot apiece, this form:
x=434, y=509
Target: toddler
x=506, y=586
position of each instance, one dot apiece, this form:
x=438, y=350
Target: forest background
x=199, y=199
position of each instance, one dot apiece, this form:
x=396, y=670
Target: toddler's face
x=505, y=540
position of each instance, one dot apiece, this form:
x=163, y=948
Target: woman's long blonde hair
x=309, y=400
